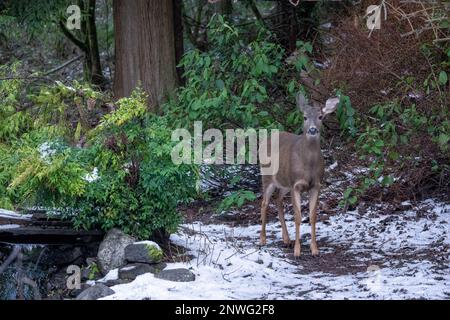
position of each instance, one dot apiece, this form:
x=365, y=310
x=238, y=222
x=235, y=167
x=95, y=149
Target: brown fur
x=301, y=168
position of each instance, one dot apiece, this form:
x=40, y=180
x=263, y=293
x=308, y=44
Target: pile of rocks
x=132, y=259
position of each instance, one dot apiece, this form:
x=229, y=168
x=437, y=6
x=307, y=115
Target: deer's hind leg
x=281, y=194
x=267, y=193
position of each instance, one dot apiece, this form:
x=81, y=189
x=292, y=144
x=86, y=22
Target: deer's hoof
x=286, y=241
x=314, y=251
x=262, y=242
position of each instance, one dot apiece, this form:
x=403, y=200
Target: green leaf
x=308, y=47
x=347, y=192
x=352, y=200
x=443, y=139
x=443, y=78
x=394, y=155
x=387, y=181
x=220, y=84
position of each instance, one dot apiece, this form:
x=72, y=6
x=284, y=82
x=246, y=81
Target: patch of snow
x=128, y=268
x=9, y=226
x=333, y=166
x=229, y=264
x=46, y=151
x=326, y=25
x=93, y=176
x=414, y=95
x=14, y=215
x=111, y=275
x=150, y=243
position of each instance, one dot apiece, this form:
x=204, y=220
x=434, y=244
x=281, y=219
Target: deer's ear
x=330, y=105
x=301, y=102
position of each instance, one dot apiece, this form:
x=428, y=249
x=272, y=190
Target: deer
x=300, y=169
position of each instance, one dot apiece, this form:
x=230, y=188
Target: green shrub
x=240, y=82
x=236, y=200
x=124, y=177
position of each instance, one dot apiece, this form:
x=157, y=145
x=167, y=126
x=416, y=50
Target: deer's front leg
x=265, y=202
x=298, y=218
x=280, y=206
x=313, y=198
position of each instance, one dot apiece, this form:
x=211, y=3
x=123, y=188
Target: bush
x=124, y=177
x=240, y=83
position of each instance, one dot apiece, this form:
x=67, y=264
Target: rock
x=177, y=275
x=95, y=292
x=76, y=292
x=111, y=253
x=115, y=282
x=131, y=271
x=143, y=252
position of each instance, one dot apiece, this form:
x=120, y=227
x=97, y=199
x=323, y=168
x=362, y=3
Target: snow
x=229, y=264
x=14, y=215
x=47, y=150
x=111, y=275
x=93, y=176
x=333, y=166
x=128, y=268
x=8, y=226
x=149, y=243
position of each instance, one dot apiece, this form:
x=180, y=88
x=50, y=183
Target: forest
x=98, y=97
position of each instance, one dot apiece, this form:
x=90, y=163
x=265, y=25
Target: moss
x=94, y=271
x=154, y=252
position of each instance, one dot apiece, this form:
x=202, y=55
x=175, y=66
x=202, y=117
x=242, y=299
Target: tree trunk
x=226, y=7
x=96, y=75
x=179, y=38
x=144, y=48
x=88, y=43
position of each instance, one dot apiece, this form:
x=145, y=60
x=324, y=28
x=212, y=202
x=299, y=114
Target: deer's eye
x=320, y=117
x=305, y=118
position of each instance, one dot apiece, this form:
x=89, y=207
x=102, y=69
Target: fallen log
x=39, y=229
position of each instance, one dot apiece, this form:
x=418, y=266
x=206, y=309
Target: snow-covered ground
x=370, y=255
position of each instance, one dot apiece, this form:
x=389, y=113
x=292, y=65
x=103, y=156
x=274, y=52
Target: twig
x=65, y=64
x=10, y=259
x=44, y=75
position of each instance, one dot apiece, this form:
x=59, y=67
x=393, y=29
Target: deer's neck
x=310, y=150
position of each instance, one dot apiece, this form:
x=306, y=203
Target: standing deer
x=300, y=168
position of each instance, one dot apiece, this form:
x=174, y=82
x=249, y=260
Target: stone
x=111, y=253
x=95, y=292
x=176, y=275
x=76, y=292
x=115, y=282
x=131, y=271
x=143, y=252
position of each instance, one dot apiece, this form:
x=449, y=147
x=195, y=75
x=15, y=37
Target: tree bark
x=179, y=38
x=144, y=49
x=226, y=7
x=88, y=43
x=96, y=75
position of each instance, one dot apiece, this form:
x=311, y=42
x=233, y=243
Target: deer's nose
x=313, y=131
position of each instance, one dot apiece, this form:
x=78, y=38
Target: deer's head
x=313, y=115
